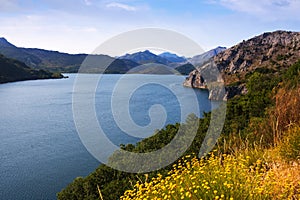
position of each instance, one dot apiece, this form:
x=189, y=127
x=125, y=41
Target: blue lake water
x=40, y=150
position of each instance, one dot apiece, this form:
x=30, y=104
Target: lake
x=40, y=150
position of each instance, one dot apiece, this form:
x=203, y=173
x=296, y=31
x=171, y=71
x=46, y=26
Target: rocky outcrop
x=208, y=77
x=276, y=50
x=235, y=90
x=195, y=80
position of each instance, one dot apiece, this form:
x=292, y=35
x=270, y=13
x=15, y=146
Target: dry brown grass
x=286, y=112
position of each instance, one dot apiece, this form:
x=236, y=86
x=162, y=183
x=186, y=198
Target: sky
x=79, y=26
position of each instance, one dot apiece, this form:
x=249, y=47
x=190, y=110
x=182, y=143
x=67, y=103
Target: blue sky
x=79, y=26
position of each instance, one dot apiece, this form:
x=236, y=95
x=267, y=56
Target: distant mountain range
x=60, y=62
x=55, y=61
x=173, y=58
x=145, y=57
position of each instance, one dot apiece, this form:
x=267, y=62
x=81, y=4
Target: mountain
x=172, y=57
x=42, y=59
x=203, y=58
x=11, y=51
x=13, y=70
x=145, y=57
x=60, y=62
x=271, y=52
x=198, y=60
x=106, y=65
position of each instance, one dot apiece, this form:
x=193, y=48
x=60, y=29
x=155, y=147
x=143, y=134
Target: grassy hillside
x=260, y=161
x=13, y=70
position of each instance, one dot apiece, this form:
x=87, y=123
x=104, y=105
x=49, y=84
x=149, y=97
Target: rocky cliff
x=274, y=50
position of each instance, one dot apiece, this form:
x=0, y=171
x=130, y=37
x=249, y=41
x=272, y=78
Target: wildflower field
x=221, y=177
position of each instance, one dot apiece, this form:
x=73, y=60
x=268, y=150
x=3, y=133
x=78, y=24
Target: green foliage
x=113, y=183
x=260, y=88
x=75, y=190
x=291, y=76
x=290, y=147
x=241, y=109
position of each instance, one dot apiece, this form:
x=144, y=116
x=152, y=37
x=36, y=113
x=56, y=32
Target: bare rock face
x=276, y=50
x=235, y=90
x=272, y=50
x=195, y=80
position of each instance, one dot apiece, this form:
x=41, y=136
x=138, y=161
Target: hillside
x=261, y=161
x=13, y=70
x=273, y=51
x=42, y=59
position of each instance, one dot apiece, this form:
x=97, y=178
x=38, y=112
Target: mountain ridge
x=145, y=57
x=56, y=61
x=173, y=57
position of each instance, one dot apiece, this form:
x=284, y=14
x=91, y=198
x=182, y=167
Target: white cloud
x=267, y=9
x=121, y=6
x=87, y=2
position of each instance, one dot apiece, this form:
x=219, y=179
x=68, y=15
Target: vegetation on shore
x=257, y=161
x=12, y=70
